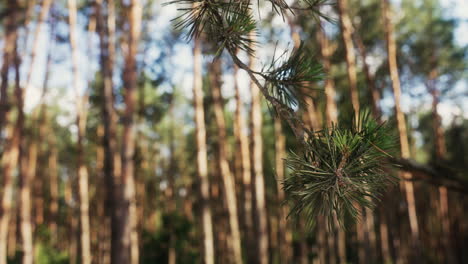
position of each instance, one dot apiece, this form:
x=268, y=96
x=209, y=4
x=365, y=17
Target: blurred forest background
x=122, y=142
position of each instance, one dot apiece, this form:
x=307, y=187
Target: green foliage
x=341, y=170
x=175, y=229
x=288, y=82
x=46, y=254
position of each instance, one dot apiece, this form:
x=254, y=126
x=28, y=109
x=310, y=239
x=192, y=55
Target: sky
x=182, y=60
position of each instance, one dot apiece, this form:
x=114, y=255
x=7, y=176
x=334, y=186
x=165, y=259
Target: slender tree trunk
x=202, y=160
x=46, y=4
x=374, y=92
x=401, y=123
x=244, y=158
x=9, y=159
x=257, y=161
x=11, y=34
x=129, y=252
x=441, y=155
x=226, y=174
x=53, y=189
x=284, y=232
x=81, y=101
x=346, y=34
x=112, y=160
x=27, y=168
x=331, y=111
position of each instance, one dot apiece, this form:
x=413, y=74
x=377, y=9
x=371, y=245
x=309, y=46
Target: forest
x=233, y=131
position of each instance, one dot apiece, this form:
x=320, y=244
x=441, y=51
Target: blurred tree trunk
x=129, y=252
x=331, y=114
x=284, y=231
x=407, y=186
x=112, y=161
x=53, y=188
x=226, y=174
x=45, y=7
x=257, y=161
x=9, y=158
x=202, y=160
x=10, y=37
x=242, y=154
x=374, y=92
x=81, y=101
x=346, y=34
x=441, y=155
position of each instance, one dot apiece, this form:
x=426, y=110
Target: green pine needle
x=290, y=81
x=342, y=170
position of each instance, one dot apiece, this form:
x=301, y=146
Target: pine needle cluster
x=341, y=170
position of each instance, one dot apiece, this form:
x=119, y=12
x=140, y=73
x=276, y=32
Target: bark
x=9, y=162
x=441, y=155
x=257, y=161
x=129, y=251
x=246, y=174
x=10, y=37
x=46, y=4
x=226, y=174
x=112, y=161
x=407, y=186
x=331, y=112
x=202, y=160
x=9, y=159
x=53, y=189
x=284, y=232
x=346, y=34
x=27, y=166
x=85, y=244
x=374, y=92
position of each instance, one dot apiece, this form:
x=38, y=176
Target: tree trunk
x=202, y=159
x=374, y=92
x=10, y=37
x=407, y=186
x=46, y=4
x=346, y=34
x=226, y=174
x=441, y=155
x=244, y=158
x=112, y=160
x=331, y=112
x=284, y=232
x=85, y=244
x=10, y=155
x=129, y=251
x=257, y=161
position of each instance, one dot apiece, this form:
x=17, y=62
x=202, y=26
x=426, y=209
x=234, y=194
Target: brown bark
x=346, y=34
x=10, y=155
x=129, y=248
x=374, y=92
x=226, y=174
x=112, y=161
x=441, y=155
x=246, y=174
x=45, y=7
x=257, y=161
x=81, y=100
x=284, y=232
x=407, y=186
x=331, y=112
x=202, y=160
x=53, y=189
x=10, y=37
